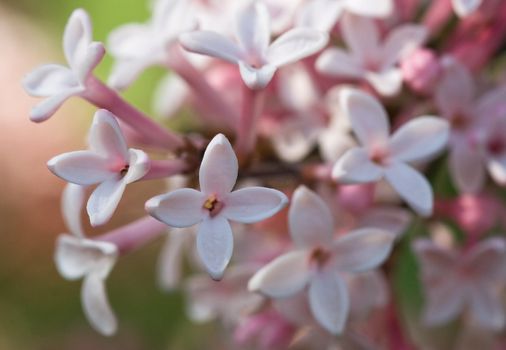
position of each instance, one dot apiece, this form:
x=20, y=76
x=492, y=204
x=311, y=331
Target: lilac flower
x=108, y=162
x=470, y=281
x=368, y=58
x=386, y=156
x=58, y=83
x=464, y=8
x=319, y=261
x=257, y=58
x=215, y=204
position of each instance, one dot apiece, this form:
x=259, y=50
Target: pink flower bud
x=356, y=198
x=420, y=70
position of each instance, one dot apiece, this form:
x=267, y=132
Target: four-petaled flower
x=57, y=82
x=215, y=204
x=257, y=58
x=321, y=261
x=108, y=162
x=382, y=155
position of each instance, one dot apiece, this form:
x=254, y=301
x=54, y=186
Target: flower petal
x=106, y=137
x=361, y=36
x=218, y=171
x=138, y=165
x=130, y=41
x=497, y=169
x=49, y=79
x=329, y=301
x=294, y=45
x=412, y=186
x=356, y=167
x=170, y=96
x=310, y=220
x=124, y=72
x=81, y=167
x=170, y=260
x=211, y=44
x=253, y=204
x=77, y=36
x=467, y=168
x=337, y=62
x=362, y=249
x=464, y=8
x=401, y=42
x=253, y=28
x=320, y=14
x=390, y=219
x=444, y=302
x=96, y=306
x=180, y=208
x=90, y=59
x=419, y=139
x=282, y=277
x=215, y=244
x=45, y=109
x=455, y=91
x=486, y=261
x=367, y=116
x=435, y=263
x=256, y=78
x=366, y=8
x=487, y=308
x=104, y=200
x=72, y=205
x=386, y=83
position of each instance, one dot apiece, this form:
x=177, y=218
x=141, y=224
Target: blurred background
x=38, y=309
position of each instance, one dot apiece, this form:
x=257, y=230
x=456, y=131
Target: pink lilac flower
x=384, y=156
x=58, y=83
x=369, y=58
x=215, y=204
x=108, y=162
x=252, y=51
x=319, y=261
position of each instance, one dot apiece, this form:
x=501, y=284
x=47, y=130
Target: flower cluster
x=363, y=135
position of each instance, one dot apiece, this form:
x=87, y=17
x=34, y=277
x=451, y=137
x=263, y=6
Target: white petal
x=467, y=168
x=179, y=208
x=139, y=165
x=81, y=167
x=253, y=204
x=253, y=28
x=320, y=14
x=124, y=72
x=50, y=79
x=419, y=139
x=367, y=290
x=91, y=58
x=497, y=169
x=170, y=260
x=362, y=250
x=464, y=8
x=361, y=36
x=77, y=36
x=96, y=306
x=401, y=42
x=367, y=8
x=338, y=62
x=106, y=137
x=367, y=116
x=76, y=257
x=72, y=204
x=219, y=167
x=390, y=219
x=282, y=277
x=211, y=44
x=412, y=186
x=356, y=167
x=310, y=220
x=486, y=307
x=256, y=78
x=104, y=201
x=215, y=245
x=131, y=41
x=170, y=95
x=386, y=83
x=45, y=109
x=295, y=45
x=329, y=301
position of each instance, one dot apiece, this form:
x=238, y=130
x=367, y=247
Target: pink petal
x=362, y=249
x=77, y=36
x=256, y=78
x=444, y=302
x=467, y=168
x=435, y=262
x=367, y=8
x=81, y=167
x=253, y=28
x=337, y=62
x=419, y=139
x=139, y=165
x=367, y=116
x=211, y=44
x=310, y=220
x=361, y=36
x=402, y=41
x=218, y=171
x=329, y=301
x=394, y=220
x=215, y=245
x=282, y=277
x=295, y=45
x=486, y=261
x=96, y=306
x=253, y=204
x=50, y=79
x=464, y=8
x=356, y=167
x=368, y=291
x=107, y=139
x=104, y=200
x=455, y=92
x=386, y=83
x=487, y=307
x=411, y=187
x=179, y=208
x=72, y=204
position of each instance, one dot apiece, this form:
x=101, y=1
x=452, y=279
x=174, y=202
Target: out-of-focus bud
x=420, y=70
x=356, y=198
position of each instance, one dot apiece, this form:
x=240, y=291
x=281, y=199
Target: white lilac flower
x=385, y=156
x=369, y=58
x=464, y=8
x=455, y=282
x=108, y=162
x=252, y=51
x=321, y=262
x=215, y=204
x=58, y=83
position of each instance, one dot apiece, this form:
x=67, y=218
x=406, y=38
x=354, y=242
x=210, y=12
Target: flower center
x=319, y=256
x=124, y=170
x=496, y=146
x=459, y=121
x=379, y=156
x=213, y=205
